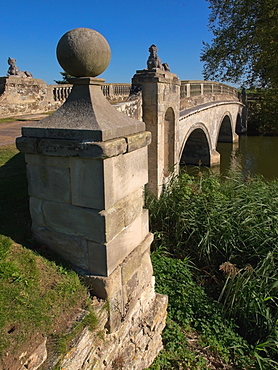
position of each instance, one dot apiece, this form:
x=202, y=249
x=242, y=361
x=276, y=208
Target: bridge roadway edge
x=190, y=111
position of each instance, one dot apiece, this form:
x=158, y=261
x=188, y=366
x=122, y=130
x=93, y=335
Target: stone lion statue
x=14, y=71
x=154, y=61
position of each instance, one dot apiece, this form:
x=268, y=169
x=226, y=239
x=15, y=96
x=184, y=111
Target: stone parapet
x=24, y=95
x=156, y=75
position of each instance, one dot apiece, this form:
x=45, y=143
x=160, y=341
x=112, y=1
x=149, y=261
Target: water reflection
x=255, y=155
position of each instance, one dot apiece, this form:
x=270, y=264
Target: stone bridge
x=201, y=128
x=187, y=120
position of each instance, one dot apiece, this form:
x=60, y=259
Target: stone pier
x=87, y=165
x=161, y=108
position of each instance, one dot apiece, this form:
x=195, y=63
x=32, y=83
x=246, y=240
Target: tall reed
x=227, y=225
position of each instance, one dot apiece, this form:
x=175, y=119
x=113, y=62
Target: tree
x=65, y=79
x=245, y=42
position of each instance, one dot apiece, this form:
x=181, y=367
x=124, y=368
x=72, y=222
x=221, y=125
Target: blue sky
x=30, y=31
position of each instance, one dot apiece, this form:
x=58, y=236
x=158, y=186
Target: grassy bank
x=39, y=295
x=216, y=239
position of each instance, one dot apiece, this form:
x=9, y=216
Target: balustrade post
x=188, y=90
x=111, y=91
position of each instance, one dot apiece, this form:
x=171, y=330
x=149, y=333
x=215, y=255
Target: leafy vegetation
x=65, y=78
x=262, y=112
x=190, y=310
x=245, y=45
x=227, y=227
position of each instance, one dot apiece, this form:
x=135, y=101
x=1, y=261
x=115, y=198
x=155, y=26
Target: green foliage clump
x=263, y=112
x=228, y=227
x=65, y=78
x=244, y=45
x=190, y=309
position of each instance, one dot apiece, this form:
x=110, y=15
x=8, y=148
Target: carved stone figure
x=154, y=61
x=14, y=71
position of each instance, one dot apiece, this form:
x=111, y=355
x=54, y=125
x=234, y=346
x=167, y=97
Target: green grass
x=228, y=227
x=37, y=294
x=33, y=294
x=7, y=120
x=18, y=118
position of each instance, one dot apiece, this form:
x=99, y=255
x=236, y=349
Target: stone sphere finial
x=83, y=52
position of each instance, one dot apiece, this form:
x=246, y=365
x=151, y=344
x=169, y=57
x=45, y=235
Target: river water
x=254, y=155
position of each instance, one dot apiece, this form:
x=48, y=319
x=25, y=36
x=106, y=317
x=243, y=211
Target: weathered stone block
x=26, y=145
x=138, y=141
x=82, y=149
x=44, y=160
x=113, y=252
x=100, y=184
x=87, y=182
x=95, y=226
x=36, y=212
x=52, y=183
x=73, y=249
x=130, y=280
x=124, y=212
x=63, y=218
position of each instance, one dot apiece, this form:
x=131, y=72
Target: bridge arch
x=225, y=132
x=196, y=147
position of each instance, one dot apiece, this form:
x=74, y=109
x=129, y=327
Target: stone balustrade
x=192, y=93
x=116, y=92
x=120, y=91
x=60, y=92
x=195, y=92
x=113, y=92
x=190, y=88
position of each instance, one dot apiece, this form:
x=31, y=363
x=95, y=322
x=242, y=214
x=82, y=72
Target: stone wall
x=132, y=108
x=132, y=347
x=25, y=96
x=28, y=95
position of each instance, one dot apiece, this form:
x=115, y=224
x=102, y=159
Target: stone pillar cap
x=83, y=52
x=86, y=114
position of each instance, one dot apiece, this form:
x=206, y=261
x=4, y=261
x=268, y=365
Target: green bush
x=189, y=310
x=262, y=112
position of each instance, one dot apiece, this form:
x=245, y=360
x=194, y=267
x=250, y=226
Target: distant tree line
x=65, y=78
